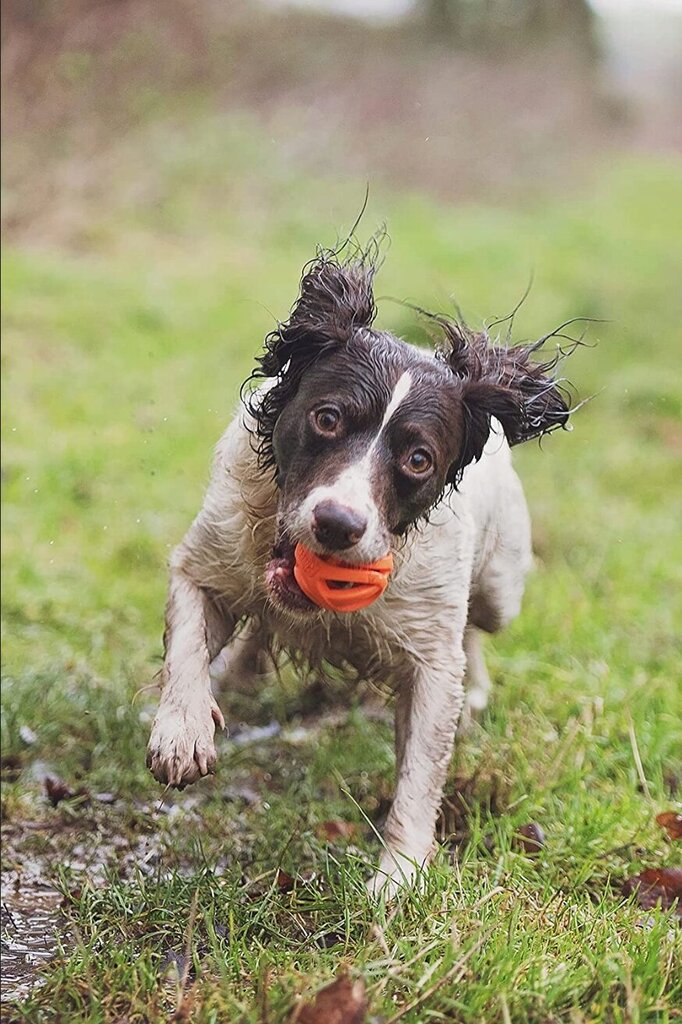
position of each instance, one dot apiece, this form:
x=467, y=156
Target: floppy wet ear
x=505, y=384
x=334, y=302
x=335, y=299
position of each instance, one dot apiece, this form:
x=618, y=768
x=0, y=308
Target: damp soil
x=71, y=846
x=79, y=838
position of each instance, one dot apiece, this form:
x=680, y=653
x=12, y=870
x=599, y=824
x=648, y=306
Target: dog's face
x=365, y=447
x=365, y=432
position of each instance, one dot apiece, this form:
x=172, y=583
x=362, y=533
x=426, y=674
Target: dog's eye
x=326, y=419
x=419, y=461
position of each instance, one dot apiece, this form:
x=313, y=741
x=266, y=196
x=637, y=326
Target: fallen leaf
x=331, y=830
x=57, y=790
x=284, y=881
x=656, y=886
x=529, y=839
x=342, y=1002
x=10, y=764
x=671, y=821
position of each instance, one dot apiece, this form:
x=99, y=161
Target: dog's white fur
x=462, y=572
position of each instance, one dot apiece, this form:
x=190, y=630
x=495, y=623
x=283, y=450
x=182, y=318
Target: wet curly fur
x=336, y=304
x=233, y=596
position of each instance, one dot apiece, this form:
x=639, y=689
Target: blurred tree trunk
x=479, y=21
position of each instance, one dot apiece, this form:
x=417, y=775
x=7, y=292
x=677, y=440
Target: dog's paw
x=475, y=703
x=396, y=872
x=181, y=747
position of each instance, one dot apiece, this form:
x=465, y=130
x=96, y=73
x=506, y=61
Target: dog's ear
x=335, y=300
x=504, y=383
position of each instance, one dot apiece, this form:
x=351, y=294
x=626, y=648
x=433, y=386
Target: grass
x=123, y=357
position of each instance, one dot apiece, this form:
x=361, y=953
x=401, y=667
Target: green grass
x=122, y=362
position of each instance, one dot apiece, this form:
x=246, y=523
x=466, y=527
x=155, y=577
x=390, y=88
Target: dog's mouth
x=281, y=582
x=301, y=581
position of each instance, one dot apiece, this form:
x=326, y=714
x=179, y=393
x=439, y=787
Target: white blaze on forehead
x=399, y=395
x=352, y=487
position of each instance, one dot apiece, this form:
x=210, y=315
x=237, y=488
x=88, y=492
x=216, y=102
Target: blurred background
x=169, y=169
x=110, y=103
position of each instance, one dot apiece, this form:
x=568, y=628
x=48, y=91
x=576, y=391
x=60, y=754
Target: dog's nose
x=337, y=526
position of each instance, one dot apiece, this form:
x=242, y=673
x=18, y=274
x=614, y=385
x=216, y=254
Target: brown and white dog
x=354, y=439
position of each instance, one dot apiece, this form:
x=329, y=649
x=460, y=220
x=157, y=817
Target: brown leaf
x=284, y=881
x=10, y=765
x=331, y=830
x=342, y=1002
x=57, y=790
x=655, y=886
x=529, y=839
x=671, y=821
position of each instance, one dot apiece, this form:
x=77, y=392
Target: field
x=122, y=362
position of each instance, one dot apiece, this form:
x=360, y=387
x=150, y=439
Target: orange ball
x=360, y=585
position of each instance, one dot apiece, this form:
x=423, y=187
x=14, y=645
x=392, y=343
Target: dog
x=355, y=443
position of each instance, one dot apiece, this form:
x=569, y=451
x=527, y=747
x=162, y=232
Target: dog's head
x=365, y=432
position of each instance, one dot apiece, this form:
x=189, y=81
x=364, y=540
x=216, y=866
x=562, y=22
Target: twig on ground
x=184, y=977
x=638, y=761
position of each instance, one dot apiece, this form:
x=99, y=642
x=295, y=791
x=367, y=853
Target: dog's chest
x=358, y=641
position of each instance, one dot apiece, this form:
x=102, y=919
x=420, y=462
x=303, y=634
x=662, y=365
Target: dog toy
x=339, y=587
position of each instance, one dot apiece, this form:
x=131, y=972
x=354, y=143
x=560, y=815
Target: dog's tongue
x=281, y=565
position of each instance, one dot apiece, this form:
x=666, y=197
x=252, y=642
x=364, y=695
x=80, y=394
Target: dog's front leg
x=181, y=747
x=429, y=705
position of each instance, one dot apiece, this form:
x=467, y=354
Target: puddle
x=30, y=924
x=31, y=920
x=99, y=835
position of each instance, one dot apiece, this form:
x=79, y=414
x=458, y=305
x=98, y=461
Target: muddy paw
x=181, y=747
